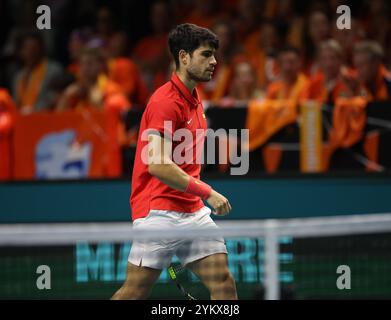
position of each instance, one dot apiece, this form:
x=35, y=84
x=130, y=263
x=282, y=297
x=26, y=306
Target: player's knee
x=229, y=281
x=225, y=282
x=226, y=290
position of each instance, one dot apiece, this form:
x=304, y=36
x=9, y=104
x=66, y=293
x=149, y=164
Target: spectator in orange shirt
x=373, y=80
x=327, y=85
x=124, y=72
x=262, y=53
x=92, y=88
x=292, y=82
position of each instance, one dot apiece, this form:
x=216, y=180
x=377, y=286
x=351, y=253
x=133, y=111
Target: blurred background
x=315, y=98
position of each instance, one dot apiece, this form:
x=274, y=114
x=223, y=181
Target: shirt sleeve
x=164, y=118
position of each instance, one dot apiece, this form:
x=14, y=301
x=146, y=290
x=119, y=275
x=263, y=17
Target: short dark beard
x=195, y=78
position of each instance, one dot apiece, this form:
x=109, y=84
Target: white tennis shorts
x=157, y=254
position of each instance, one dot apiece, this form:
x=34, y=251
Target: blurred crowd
x=276, y=49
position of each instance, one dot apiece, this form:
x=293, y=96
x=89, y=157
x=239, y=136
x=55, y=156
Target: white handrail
x=63, y=233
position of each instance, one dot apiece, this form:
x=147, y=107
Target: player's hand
x=219, y=203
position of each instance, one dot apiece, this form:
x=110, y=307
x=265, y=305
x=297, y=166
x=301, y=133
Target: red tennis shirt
x=171, y=102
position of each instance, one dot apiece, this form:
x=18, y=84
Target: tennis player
x=169, y=194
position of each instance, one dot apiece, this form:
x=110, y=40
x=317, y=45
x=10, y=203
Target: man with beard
x=167, y=193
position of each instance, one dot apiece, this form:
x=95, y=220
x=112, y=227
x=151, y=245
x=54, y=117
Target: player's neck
x=189, y=83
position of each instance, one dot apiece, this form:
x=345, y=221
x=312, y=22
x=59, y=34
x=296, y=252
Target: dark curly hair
x=189, y=37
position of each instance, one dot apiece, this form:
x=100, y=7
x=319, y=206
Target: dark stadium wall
x=100, y=200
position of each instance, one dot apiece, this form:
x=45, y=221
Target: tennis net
x=330, y=257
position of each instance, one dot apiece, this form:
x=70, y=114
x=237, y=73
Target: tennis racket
x=174, y=271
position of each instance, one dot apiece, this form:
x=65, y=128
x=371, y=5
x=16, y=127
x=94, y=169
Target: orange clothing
x=317, y=90
x=265, y=66
x=125, y=73
x=295, y=33
x=349, y=119
x=280, y=90
x=103, y=89
x=29, y=85
x=279, y=109
x=218, y=87
x=381, y=89
x=113, y=102
x=251, y=44
x=265, y=118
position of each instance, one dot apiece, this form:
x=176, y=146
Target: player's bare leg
x=138, y=283
x=214, y=273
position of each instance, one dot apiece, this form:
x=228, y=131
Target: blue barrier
x=255, y=198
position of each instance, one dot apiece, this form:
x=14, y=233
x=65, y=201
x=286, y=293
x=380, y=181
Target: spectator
x=347, y=38
x=262, y=53
x=244, y=84
x=319, y=29
x=92, y=88
x=31, y=83
x=373, y=80
x=327, y=85
x=292, y=82
x=124, y=72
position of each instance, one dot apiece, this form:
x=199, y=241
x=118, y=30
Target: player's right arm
x=163, y=168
